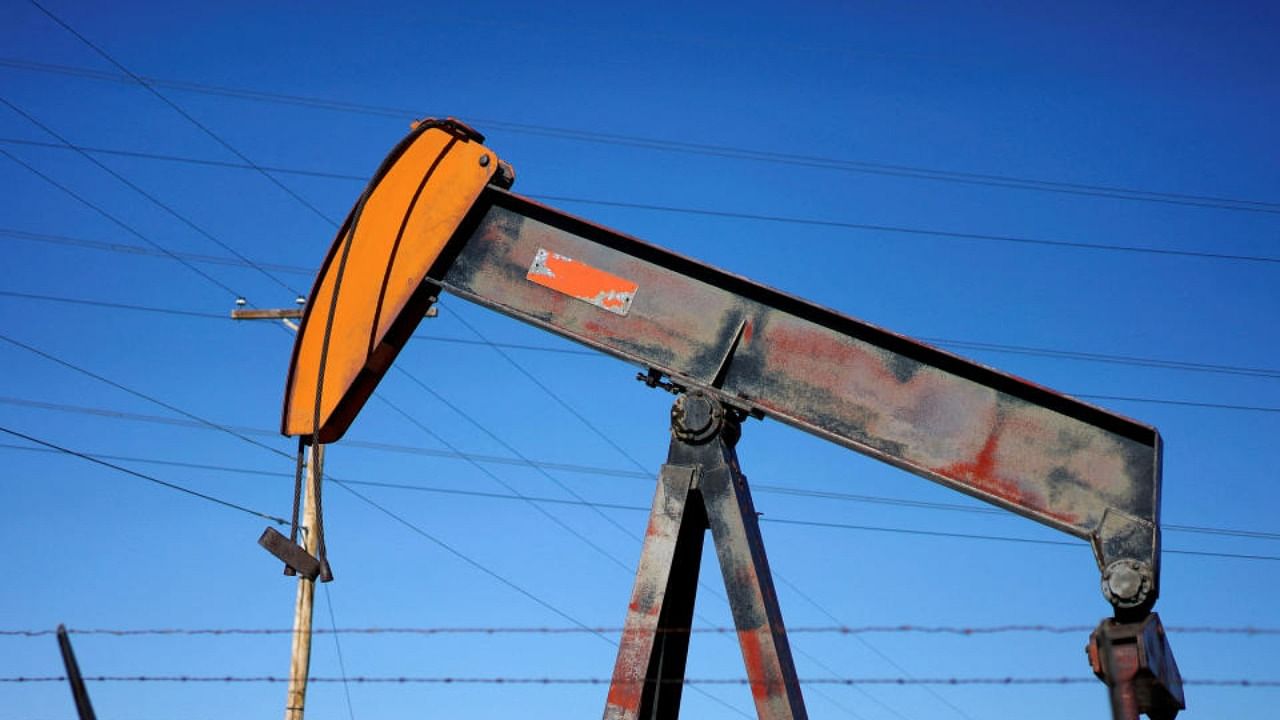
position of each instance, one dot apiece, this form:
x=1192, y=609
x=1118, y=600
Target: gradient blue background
x=1170, y=97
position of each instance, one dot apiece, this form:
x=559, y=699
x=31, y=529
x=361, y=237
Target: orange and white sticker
x=579, y=280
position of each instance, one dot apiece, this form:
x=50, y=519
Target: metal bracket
x=654, y=379
x=701, y=488
x=1135, y=661
x=290, y=553
x=1127, y=551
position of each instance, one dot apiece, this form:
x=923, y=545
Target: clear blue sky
x=1172, y=98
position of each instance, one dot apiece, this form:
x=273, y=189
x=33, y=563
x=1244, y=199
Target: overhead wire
x=181, y=217
x=413, y=527
x=117, y=221
x=337, y=644
x=548, y=391
x=1115, y=359
x=945, y=342
x=178, y=109
x=686, y=147
x=757, y=218
x=570, y=491
x=143, y=476
x=137, y=250
x=896, y=229
x=762, y=488
x=763, y=217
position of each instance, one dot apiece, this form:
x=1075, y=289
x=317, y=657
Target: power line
x=275, y=451
x=143, y=476
x=581, y=500
x=361, y=496
x=756, y=217
x=1130, y=360
x=342, y=664
x=149, y=196
x=639, y=466
x=136, y=250
x=495, y=575
x=185, y=159
x=176, y=108
x=691, y=148
x=128, y=228
x=515, y=494
x=1183, y=403
x=114, y=305
x=141, y=395
x=472, y=457
x=950, y=234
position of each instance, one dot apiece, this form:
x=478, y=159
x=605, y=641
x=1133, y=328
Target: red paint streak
x=624, y=693
x=813, y=353
x=763, y=683
x=748, y=332
x=981, y=473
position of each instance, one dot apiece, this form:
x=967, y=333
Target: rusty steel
x=438, y=217
x=1065, y=463
x=701, y=488
x=1136, y=663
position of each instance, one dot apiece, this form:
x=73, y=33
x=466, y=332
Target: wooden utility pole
x=300, y=658
x=300, y=655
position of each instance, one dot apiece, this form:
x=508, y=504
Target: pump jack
x=438, y=215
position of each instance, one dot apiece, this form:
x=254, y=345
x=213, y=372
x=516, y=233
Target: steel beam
x=1065, y=463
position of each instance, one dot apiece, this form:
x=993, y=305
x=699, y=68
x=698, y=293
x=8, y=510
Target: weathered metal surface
x=1070, y=465
x=701, y=487
x=648, y=675
x=1136, y=663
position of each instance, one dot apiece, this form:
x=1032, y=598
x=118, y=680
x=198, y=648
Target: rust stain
x=763, y=684
x=579, y=280
x=626, y=689
x=624, y=693
x=983, y=473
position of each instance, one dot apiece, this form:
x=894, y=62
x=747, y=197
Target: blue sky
x=586, y=102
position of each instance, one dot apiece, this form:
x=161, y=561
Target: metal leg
x=701, y=487
x=649, y=673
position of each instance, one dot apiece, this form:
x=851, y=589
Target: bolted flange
x=1126, y=583
x=696, y=418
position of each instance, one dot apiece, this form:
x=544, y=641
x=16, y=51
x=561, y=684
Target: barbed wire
x=446, y=680
x=957, y=630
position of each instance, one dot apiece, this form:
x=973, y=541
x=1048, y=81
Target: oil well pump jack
x=439, y=215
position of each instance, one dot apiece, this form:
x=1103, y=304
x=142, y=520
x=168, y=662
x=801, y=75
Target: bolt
x=484, y=161
x=1125, y=583
x=696, y=416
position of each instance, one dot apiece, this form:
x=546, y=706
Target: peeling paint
x=579, y=280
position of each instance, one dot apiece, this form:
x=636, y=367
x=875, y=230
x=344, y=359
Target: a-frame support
x=701, y=488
